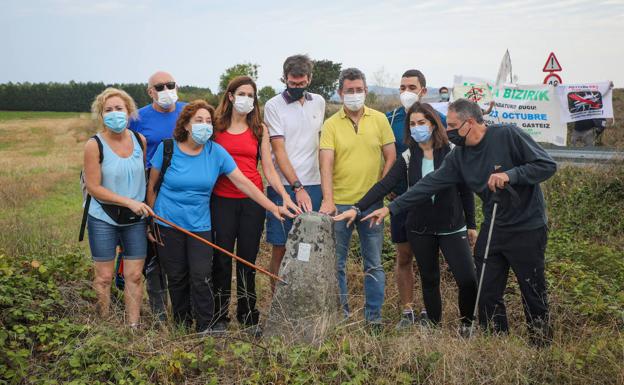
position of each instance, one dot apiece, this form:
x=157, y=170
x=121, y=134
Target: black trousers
x=187, y=263
x=155, y=282
x=456, y=251
x=236, y=221
x=524, y=253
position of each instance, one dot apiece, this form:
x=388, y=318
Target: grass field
x=50, y=333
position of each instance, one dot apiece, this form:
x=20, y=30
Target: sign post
x=552, y=65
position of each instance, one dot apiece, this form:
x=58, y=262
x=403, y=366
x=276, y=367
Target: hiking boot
x=254, y=331
x=465, y=330
x=219, y=327
x=540, y=333
x=211, y=332
x=408, y=319
x=375, y=328
x=423, y=319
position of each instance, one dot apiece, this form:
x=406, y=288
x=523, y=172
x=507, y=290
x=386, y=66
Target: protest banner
x=478, y=93
x=533, y=108
x=585, y=101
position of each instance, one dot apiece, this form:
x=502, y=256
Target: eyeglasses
x=161, y=86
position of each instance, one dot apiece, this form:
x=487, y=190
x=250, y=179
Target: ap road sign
x=553, y=79
x=552, y=64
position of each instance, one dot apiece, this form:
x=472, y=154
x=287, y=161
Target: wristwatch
x=296, y=186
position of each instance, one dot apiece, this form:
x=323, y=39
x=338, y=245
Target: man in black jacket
x=486, y=159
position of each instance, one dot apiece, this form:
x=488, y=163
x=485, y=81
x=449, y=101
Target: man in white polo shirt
x=294, y=120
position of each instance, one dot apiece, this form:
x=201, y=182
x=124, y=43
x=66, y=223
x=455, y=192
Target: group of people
x=202, y=175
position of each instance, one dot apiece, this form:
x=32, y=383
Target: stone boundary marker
x=308, y=307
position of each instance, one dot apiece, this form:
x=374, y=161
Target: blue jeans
x=104, y=238
x=371, y=241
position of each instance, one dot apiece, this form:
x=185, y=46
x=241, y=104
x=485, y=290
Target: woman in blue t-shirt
x=115, y=180
x=184, y=199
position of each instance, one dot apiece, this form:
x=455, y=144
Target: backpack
x=86, y=197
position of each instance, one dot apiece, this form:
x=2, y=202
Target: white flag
x=504, y=71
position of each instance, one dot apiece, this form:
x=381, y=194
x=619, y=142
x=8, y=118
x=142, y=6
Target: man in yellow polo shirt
x=357, y=148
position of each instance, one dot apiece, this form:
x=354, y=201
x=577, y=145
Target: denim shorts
x=276, y=234
x=104, y=238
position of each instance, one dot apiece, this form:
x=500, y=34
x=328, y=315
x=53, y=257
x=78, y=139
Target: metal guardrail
x=585, y=155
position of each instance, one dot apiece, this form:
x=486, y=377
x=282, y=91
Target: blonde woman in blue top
x=115, y=179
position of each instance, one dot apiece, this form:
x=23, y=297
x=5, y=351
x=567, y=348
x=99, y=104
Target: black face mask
x=455, y=138
x=296, y=92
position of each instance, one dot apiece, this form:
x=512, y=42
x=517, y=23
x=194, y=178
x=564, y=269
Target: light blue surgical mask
x=421, y=134
x=201, y=132
x=117, y=121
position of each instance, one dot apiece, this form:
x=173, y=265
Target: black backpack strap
x=167, y=155
x=138, y=138
x=85, y=212
x=100, y=147
x=83, y=222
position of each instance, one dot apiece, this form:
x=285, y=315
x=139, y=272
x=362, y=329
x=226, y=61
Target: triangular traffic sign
x=552, y=64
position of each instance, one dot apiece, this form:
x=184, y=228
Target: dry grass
x=37, y=155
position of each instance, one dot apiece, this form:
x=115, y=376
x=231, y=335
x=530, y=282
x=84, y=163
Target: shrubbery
x=49, y=335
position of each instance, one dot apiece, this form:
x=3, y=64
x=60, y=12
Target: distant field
x=14, y=115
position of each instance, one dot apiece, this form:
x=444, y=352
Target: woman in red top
x=236, y=219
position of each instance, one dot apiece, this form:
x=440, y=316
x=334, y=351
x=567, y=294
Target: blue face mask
x=201, y=132
x=421, y=134
x=117, y=121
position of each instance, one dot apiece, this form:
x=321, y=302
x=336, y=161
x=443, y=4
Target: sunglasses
x=161, y=86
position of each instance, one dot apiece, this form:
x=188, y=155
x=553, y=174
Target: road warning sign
x=553, y=79
x=552, y=64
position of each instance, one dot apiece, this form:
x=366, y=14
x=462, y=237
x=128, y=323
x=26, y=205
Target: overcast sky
x=195, y=40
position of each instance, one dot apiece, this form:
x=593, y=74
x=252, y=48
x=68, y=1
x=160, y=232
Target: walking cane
x=232, y=255
x=515, y=202
x=496, y=200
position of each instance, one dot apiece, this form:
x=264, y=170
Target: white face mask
x=167, y=98
x=354, y=102
x=243, y=104
x=408, y=99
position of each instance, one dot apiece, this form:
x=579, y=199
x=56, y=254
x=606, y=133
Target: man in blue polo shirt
x=413, y=88
x=156, y=122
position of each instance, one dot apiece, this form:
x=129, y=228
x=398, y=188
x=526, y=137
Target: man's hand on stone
x=303, y=200
x=328, y=207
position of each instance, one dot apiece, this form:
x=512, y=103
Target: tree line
x=78, y=96
x=74, y=96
